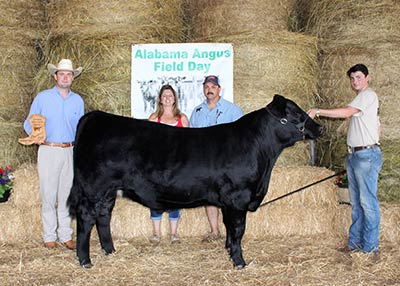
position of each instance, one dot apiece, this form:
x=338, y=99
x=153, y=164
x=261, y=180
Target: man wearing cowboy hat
x=62, y=110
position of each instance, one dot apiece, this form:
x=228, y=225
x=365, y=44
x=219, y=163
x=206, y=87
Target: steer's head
x=295, y=121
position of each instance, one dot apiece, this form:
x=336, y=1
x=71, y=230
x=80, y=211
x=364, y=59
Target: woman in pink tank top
x=167, y=112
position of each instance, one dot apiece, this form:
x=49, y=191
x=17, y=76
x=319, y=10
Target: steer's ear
x=278, y=97
x=278, y=105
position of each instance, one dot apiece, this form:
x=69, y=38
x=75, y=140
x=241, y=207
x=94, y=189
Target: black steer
x=164, y=167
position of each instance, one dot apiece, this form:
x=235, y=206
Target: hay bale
x=18, y=64
x=312, y=211
x=389, y=177
x=347, y=38
x=26, y=187
x=98, y=36
x=315, y=206
x=19, y=224
x=223, y=17
x=129, y=21
x=344, y=23
x=278, y=62
x=268, y=59
x=335, y=85
x=11, y=222
x=389, y=228
x=275, y=63
x=105, y=81
x=15, y=14
x=336, y=92
x=11, y=152
x=17, y=61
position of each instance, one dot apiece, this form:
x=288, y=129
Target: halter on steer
x=300, y=126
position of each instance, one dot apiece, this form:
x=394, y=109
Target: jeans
x=174, y=215
x=363, y=168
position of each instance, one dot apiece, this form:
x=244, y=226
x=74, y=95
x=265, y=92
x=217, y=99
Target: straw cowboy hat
x=65, y=65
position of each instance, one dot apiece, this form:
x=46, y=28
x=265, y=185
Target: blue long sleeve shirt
x=62, y=116
x=224, y=112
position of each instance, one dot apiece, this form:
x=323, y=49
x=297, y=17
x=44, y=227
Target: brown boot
x=38, y=133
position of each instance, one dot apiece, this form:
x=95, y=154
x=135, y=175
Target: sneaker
x=175, y=239
x=346, y=249
x=155, y=239
x=374, y=250
x=210, y=237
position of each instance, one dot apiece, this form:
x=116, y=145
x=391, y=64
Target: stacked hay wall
x=98, y=35
x=352, y=32
x=314, y=211
x=269, y=59
x=18, y=66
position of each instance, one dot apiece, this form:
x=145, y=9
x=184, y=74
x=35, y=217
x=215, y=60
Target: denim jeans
x=174, y=215
x=363, y=168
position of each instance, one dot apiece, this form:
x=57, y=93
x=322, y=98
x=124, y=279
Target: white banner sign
x=184, y=67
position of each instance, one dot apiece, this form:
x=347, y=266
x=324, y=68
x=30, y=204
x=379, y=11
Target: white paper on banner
x=184, y=67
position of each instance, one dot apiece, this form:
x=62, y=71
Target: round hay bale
x=281, y=62
x=225, y=17
x=11, y=152
x=17, y=67
x=105, y=81
x=20, y=38
x=24, y=17
x=126, y=20
x=347, y=38
x=389, y=177
x=336, y=92
x=275, y=63
x=335, y=85
x=98, y=36
x=344, y=23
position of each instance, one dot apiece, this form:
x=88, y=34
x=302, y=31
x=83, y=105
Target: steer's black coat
x=163, y=167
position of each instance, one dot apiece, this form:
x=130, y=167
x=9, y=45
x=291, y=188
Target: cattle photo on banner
x=184, y=67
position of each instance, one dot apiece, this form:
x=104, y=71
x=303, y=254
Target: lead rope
x=302, y=188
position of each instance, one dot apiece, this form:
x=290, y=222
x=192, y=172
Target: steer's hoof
x=86, y=264
x=108, y=252
x=240, y=266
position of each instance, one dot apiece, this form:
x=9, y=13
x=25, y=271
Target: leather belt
x=359, y=148
x=61, y=145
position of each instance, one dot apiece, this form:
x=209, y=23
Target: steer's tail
x=74, y=199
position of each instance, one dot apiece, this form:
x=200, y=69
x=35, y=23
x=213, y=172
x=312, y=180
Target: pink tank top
x=176, y=124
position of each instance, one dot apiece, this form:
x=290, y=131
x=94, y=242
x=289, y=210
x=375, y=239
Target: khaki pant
x=55, y=179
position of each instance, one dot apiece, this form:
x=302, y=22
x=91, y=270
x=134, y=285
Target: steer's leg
x=237, y=226
x=104, y=231
x=104, y=210
x=226, y=220
x=84, y=225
